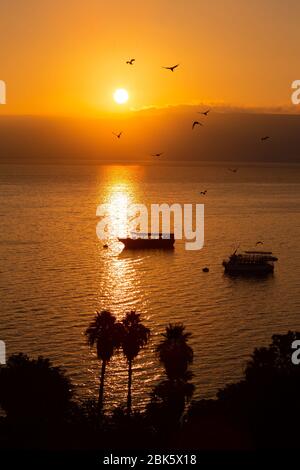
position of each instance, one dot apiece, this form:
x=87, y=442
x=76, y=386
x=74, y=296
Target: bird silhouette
x=265, y=138
x=196, y=123
x=130, y=62
x=202, y=193
x=233, y=170
x=205, y=113
x=171, y=68
x=118, y=135
x=157, y=154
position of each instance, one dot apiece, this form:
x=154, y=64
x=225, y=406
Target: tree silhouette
x=168, y=400
x=104, y=332
x=174, y=352
x=135, y=336
x=34, y=391
x=266, y=401
x=169, y=397
x=261, y=411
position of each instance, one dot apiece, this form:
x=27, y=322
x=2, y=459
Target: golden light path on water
x=121, y=289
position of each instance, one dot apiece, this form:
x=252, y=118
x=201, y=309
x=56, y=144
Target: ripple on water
x=55, y=274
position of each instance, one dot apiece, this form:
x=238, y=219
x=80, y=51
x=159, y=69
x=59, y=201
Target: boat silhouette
x=138, y=241
x=250, y=263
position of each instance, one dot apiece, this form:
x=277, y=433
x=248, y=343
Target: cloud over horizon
x=225, y=136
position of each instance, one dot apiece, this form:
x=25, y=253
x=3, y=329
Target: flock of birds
x=172, y=68
x=194, y=124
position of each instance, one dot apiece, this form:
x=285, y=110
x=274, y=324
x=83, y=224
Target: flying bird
x=265, y=138
x=130, y=62
x=171, y=68
x=118, y=135
x=157, y=154
x=205, y=113
x=196, y=123
x=233, y=170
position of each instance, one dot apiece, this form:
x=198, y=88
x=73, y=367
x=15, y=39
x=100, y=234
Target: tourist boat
x=250, y=263
x=141, y=241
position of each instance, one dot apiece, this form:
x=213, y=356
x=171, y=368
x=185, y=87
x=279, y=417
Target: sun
x=121, y=96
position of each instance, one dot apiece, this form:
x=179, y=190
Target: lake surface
x=55, y=274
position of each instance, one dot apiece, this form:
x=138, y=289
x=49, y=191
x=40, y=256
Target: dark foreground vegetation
x=262, y=411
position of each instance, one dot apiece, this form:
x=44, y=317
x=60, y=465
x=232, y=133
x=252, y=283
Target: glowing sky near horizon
x=68, y=57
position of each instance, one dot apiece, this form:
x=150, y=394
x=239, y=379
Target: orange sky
x=68, y=56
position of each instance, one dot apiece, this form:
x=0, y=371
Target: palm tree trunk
x=101, y=388
x=129, y=387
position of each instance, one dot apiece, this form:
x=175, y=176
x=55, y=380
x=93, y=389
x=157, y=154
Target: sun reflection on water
x=120, y=279
x=118, y=209
x=120, y=287
x=118, y=193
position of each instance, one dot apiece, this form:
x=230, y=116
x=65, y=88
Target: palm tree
x=168, y=401
x=174, y=352
x=104, y=332
x=135, y=336
x=170, y=396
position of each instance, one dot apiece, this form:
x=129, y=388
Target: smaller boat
x=250, y=263
x=141, y=241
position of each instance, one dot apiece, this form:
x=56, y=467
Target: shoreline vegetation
x=260, y=412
